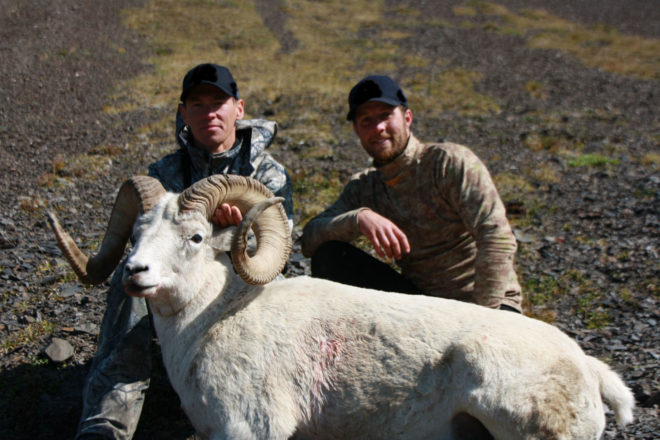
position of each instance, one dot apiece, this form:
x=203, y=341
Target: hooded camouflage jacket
x=443, y=198
x=247, y=157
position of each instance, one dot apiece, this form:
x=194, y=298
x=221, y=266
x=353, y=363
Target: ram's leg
x=466, y=427
x=238, y=427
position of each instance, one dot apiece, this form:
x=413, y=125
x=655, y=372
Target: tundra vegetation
x=557, y=98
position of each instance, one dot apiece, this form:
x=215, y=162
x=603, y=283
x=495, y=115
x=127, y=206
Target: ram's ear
x=221, y=238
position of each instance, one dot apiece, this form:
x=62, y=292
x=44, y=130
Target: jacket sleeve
x=339, y=222
x=275, y=177
x=475, y=198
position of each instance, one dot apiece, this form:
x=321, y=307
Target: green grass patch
x=28, y=335
x=593, y=160
x=588, y=299
x=594, y=315
x=314, y=192
x=645, y=193
x=541, y=294
x=542, y=290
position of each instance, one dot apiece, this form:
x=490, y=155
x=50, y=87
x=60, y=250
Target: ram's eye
x=197, y=238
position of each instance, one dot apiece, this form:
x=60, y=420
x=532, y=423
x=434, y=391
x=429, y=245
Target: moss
x=28, y=335
x=593, y=160
x=313, y=192
x=542, y=290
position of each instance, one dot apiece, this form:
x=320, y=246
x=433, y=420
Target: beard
x=382, y=157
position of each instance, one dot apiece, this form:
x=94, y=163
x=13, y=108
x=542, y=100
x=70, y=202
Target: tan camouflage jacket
x=443, y=198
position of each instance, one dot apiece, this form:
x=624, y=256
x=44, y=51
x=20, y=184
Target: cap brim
x=394, y=103
x=186, y=92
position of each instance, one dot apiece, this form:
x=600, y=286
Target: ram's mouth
x=139, y=290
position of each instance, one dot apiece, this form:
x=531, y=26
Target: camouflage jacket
x=443, y=198
x=247, y=157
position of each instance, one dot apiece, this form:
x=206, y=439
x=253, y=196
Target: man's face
x=211, y=115
x=383, y=130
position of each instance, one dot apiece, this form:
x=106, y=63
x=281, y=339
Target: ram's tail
x=614, y=391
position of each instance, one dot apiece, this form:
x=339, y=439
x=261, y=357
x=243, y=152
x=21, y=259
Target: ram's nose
x=131, y=268
x=137, y=279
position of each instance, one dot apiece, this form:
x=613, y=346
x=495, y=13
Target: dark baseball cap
x=380, y=88
x=213, y=74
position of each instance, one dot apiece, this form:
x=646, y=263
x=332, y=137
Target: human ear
x=239, y=104
x=182, y=110
x=408, y=115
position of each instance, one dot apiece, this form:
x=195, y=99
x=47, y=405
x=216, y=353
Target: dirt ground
x=60, y=61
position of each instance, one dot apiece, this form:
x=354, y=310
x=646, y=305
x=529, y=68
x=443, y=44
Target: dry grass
x=597, y=46
x=536, y=90
x=234, y=35
x=449, y=90
x=317, y=74
x=512, y=186
x=323, y=66
x=651, y=160
x=544, y=172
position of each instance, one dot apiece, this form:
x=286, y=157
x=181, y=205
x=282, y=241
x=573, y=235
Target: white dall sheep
x=310, y=358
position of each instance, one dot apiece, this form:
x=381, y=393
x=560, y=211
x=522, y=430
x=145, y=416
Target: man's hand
x=386, y=237
x=227, y=215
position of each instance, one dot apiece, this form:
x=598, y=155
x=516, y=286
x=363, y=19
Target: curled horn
x=136, y=196
x=268, y=221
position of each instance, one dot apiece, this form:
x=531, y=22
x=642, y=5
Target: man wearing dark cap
x=213, y=138
x=431, y=206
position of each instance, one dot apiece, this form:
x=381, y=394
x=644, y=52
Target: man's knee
x=332, y=250
x=329, y=258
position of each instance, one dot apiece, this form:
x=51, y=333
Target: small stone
x=87, y=327
x=522, y=237
x=59, y=350
x=69, y=290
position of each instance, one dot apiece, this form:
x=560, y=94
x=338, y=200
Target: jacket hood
x=261, y=133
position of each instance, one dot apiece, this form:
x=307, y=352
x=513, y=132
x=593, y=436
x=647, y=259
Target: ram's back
x=348, y=360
